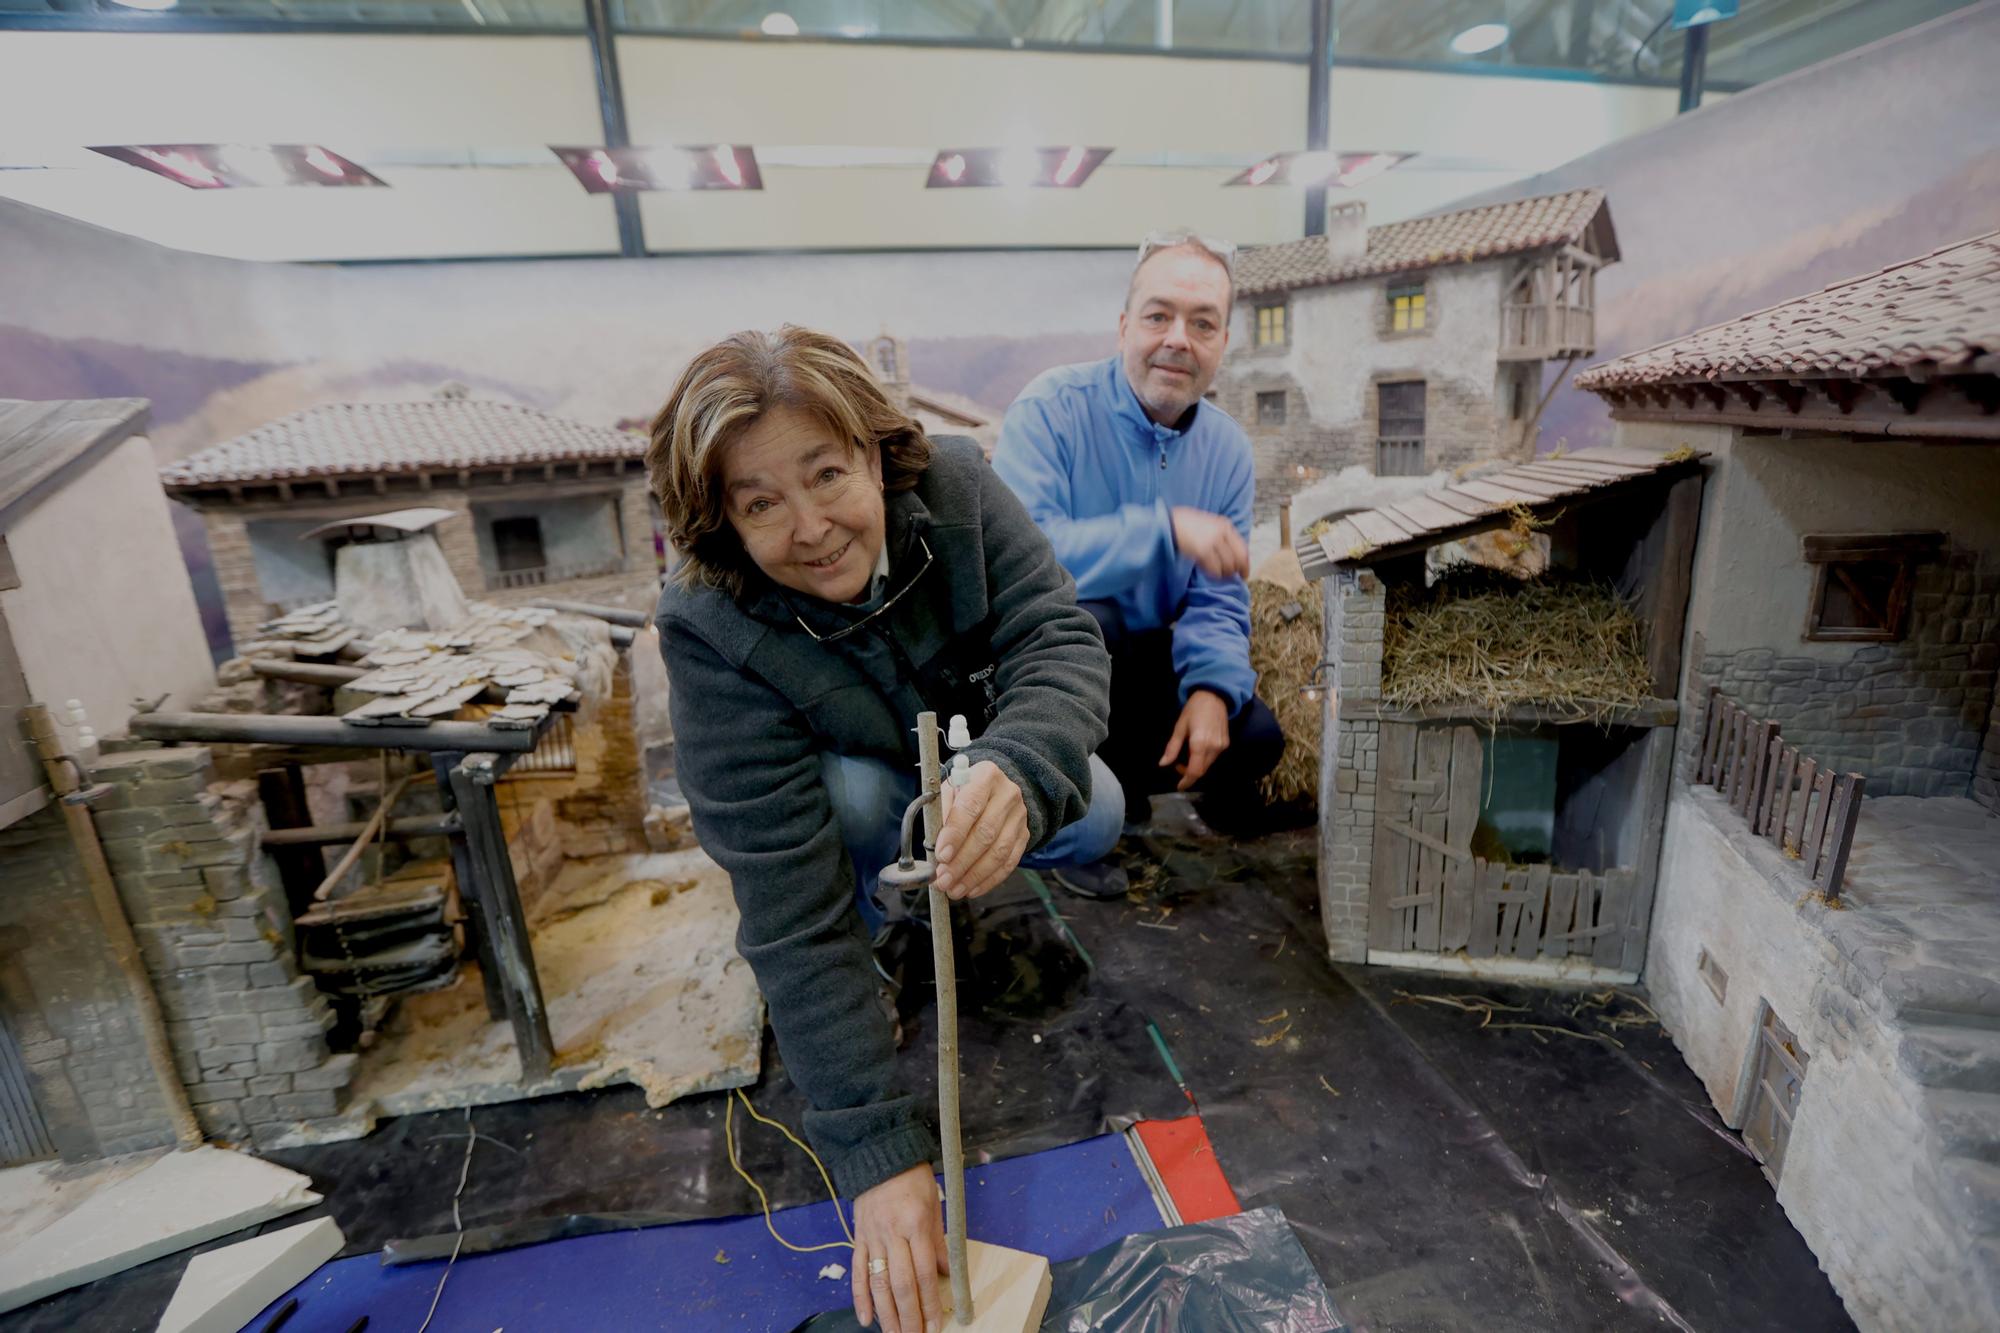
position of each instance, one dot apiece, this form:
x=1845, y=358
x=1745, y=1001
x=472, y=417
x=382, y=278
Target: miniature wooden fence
x=1535, y=911
x=1803, y=807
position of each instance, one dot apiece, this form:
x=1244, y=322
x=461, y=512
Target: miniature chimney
x=1347, y=231
x=391, y=574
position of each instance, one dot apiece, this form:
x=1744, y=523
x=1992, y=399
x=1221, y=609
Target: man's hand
x=1211, y=541
x=1204, y=730
x=984, y=832
x=899, y=1221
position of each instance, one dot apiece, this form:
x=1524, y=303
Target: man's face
x=1174, y=330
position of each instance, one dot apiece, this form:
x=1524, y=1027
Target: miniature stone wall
x=597, y=811
x=248, y=1031
x=1354, y=619
x=1883, y=1172
x=1986, y=774
x=1911, y=717
x=66, y=1002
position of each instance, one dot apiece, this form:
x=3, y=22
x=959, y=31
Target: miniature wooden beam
x=503, y=925
x=292, y=729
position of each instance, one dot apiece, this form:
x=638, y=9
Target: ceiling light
x=1063, y=168
x=215, y=166
x=1479, y=39
x=147, y=4
x=603, y=170
x=778, y=24
x=1317, y=168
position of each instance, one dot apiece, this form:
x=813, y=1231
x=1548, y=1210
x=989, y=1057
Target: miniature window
x=517, y=544
x=1406, y=308
x=1272, y=330
x=1399, y=432
x=1778, y=1076
x=1861, y=584
x=1271, y=408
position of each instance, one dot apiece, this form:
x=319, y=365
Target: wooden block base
x=1010, y=1289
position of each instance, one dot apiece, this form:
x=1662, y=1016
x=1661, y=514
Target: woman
x=841, y=573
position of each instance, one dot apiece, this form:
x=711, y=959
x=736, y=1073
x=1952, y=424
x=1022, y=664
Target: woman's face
x=806, y=504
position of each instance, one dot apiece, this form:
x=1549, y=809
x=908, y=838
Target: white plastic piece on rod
x=958, y=736
x=961, y=770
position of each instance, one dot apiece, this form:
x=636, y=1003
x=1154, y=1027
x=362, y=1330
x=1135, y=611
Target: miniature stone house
x=1411, y=348
x=1846, y=601
x=542, y=507
x=938, y=411
x=1519, y=839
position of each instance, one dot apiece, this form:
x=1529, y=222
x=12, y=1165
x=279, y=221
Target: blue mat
x=722, y=1274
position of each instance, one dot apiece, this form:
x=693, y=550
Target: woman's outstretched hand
x=984, y=833
x=899, y=1235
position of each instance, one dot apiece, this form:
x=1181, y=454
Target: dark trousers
x=1145, y=705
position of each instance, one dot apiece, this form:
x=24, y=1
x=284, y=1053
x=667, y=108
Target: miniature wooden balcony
x=1540, y=331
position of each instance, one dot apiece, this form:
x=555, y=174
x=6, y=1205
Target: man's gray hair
x=1186, y=238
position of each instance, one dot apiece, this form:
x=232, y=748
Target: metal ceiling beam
x=1318, y=92
x=611, y=107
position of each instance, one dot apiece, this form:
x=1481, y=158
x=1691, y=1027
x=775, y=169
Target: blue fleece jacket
x=1100, y=477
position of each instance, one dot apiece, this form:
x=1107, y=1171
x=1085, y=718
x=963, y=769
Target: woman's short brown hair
x=730, y=386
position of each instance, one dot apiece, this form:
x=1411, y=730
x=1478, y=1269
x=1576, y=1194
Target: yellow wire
x=729, y=1138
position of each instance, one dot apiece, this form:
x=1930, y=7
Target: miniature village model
x=1414, y=347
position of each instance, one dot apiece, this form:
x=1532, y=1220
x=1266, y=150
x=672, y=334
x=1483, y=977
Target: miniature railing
x=1806, y=809
x=1534, y=326
x=541, y=575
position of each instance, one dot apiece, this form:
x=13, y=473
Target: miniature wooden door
x=1426, y=809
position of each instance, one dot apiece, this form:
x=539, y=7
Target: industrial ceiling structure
x=819, y=124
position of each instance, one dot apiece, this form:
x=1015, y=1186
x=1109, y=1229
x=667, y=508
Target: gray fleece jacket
x=989, y=628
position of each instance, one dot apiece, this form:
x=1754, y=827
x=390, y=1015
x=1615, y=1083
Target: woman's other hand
x=899, y=1233
x=985, y=831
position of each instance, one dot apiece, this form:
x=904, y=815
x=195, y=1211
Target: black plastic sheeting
x=1240, y=1274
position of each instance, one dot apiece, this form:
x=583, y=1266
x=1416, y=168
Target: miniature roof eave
x=43, y=442
x=400, y=520
x=1466, y=508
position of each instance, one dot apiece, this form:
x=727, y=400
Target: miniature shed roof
x=1460, y=237
x=398, y=520
x=42, y=442
x=1478, y=504
x=345, y=439
x=1911, y=350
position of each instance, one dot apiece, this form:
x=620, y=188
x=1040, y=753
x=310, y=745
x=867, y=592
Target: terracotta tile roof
x=1940, y=312
x=1469, y=234
x=1475, y=504
x=345, y=439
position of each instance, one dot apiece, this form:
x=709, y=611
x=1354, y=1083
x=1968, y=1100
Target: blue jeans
x=869, y=798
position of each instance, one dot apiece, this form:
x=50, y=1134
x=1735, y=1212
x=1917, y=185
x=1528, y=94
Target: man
x=1145, y=491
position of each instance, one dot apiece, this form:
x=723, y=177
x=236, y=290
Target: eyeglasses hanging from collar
x=881, y=610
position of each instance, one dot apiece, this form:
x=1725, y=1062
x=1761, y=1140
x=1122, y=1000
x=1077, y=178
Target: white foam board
x=223, y=1290
x=182, y=1199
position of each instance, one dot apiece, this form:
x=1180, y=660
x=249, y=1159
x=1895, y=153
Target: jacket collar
x=905, y=518
x=1131, y=413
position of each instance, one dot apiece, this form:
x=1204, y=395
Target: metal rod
x=65, y=778
x=493, y=880
x=305, y=673
x=368, y=832
x=945, y=965
x=616, y=615
x=329, y=835
x=287, y=729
